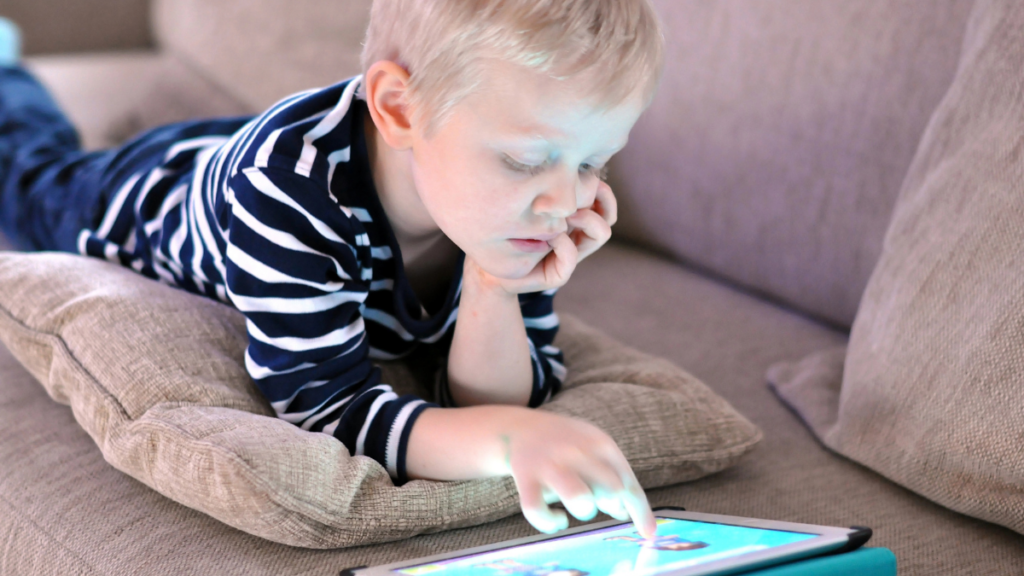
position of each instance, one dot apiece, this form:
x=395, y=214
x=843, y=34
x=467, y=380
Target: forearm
x=461, y=443
x=489, y=360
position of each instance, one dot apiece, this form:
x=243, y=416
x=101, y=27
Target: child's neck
x=428, y=255
x=397, y=192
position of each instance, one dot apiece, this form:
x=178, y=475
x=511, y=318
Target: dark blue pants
x=50, y=189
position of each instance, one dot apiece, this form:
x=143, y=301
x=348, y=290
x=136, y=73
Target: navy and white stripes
x=278, y=217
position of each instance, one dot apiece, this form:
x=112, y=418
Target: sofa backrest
x=260, y=51
x=771, y=157
x=57, y=26
x=780, y=136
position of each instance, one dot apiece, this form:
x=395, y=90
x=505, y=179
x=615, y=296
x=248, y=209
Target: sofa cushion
x=775, y=148
x=109, y=97
x=71, y=25
x=929, y=390
x=263, y=50
x=156, y=376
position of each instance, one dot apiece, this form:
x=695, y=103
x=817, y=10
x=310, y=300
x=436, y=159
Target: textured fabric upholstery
x=778, y=176
x=110, y=97
x=779, y=138
x=157, y=378
x=72, y=25
x=73, y=513
x=257, y=55
x=931, y=390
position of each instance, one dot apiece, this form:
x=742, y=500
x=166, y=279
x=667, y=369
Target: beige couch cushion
x=263, y=50
x=110, y=97
x=72, y=25
x=156, y=376
x=775, y=148
x=931, y=394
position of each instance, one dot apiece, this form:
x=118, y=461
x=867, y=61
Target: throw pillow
x=156, y=376
x=930, y=391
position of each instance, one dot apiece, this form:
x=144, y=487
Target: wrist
x=489, y=360
x=452, y=444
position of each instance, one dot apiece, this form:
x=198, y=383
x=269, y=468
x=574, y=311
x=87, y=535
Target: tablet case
x=862, y=562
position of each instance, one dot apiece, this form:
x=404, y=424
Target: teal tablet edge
x=860, y=562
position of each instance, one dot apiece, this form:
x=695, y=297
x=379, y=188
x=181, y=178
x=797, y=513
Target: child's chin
x=513, y=268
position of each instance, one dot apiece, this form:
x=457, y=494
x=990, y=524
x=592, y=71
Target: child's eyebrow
x=618, y=148
x=543, y=134
x=529, y=141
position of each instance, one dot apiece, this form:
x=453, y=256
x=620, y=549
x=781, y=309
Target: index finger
x=639, y=509
x=632, y=495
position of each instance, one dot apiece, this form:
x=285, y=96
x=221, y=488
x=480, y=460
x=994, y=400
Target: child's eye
x=600, y=173
x=533, y=170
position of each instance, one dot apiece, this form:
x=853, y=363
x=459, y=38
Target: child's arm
x=489, y=361
x=551, y=457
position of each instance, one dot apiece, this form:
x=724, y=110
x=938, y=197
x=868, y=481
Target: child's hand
x=589, y=229
x=557, y=458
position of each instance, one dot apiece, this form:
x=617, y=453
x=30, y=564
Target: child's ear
x=387, y=86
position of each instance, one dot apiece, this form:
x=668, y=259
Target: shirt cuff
x=398, y=438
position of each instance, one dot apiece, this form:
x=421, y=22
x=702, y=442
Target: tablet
x=686, y=544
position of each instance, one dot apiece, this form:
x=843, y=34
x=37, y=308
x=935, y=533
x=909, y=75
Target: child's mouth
x=525, y=245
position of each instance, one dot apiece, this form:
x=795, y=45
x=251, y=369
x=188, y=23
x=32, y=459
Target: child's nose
x=564, y=197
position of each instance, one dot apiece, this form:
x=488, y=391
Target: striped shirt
x=278, y=216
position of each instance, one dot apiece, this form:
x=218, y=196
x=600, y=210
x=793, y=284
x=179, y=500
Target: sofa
x=755, y=195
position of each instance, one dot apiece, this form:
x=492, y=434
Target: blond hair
x=616, y=44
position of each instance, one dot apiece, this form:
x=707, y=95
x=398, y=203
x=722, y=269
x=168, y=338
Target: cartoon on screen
x=672, y=542
x=512, y=567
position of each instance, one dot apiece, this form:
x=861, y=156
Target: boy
x=458, y=177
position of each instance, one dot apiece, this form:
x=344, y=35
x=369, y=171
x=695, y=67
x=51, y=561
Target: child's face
x=466, y=175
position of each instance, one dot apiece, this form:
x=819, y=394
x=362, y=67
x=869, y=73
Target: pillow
x=930, y=390
x=156, y=376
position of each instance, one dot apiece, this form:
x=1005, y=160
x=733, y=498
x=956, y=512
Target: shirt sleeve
x=294, y=268
x=548, y=362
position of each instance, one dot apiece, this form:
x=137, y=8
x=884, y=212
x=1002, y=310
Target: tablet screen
x=615, y=550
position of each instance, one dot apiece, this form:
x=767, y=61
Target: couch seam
x=66, y=349
x=195, y=68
